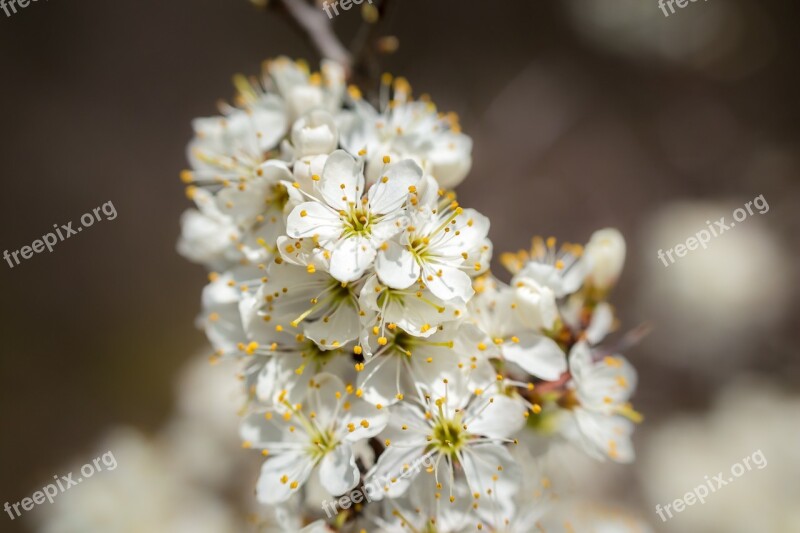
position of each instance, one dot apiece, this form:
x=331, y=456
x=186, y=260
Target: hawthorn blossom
x=602, y=419
x=468, y=430
x=507, y=337
x=354, y=292
x=442, y=245
x=348, y=225
x=407, y=129
x=399, y=363
x=544, y=276
x=316, y=434
x=307, y=301
x=415, y=310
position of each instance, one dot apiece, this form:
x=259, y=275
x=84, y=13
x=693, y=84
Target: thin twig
x=318, y=30
x=364, y=49
x=361, y=62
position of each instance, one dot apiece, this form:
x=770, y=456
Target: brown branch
x=317, y=28
x=361, y=62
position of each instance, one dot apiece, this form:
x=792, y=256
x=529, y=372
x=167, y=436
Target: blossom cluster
x=356, y=292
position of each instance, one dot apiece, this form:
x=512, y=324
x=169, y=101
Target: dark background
x=573, y=132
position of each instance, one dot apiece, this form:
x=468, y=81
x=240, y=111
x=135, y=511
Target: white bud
x=606, y=256
x=315, y=134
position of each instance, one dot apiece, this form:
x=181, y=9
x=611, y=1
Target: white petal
x=580, y=361
x=392, y=189
x=343, y=326
x=362, y=411
x=396, y=266
x=605, y=436
x=602, y=322
x=538, y=355
x=451, y=159
x=453, y=283
x=313, y=218
x=338, y=472
x=325, y=398
x=351, y=257
x=314, y=133
x=395, y=463
x=500, y=419
x=296, y=466
x=381, y=380
x=259, y=431
x=342, y=181
x=489, y=467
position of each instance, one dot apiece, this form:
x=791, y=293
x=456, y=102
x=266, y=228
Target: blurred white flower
x=747, y=416
x=142, y=494
x=704, y=304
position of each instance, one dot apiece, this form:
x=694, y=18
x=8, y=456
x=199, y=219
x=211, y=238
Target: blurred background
x=584, y=114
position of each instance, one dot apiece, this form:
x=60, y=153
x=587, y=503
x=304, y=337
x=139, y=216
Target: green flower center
x=449, y=436
x=357, y=221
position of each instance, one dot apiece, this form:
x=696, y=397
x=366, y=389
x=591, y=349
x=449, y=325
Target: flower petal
x=313, y=218
x=396, y=266
x=280, y=473
x=342, y=181
x=538, y=355
x=392, y=189
x=338, y=472
x=351, y=257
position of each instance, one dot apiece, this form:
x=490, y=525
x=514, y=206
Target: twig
x=319, y=31
x=361, y=61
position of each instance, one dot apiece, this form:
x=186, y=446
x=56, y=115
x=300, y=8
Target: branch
x=361, y=62
x=318, y=30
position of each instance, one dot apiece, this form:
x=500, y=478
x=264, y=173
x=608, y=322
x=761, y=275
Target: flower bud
x=606, y=255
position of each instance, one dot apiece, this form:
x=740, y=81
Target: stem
x=318, y=30
x=361, y=61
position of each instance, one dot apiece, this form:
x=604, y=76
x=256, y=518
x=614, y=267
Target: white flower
x=460, y=429
x=235, y=145
x=144, y=492
x=314, y=134
x=309, y=301
x=415, y=310
x=221, y=318
x=423, y=508
x=606, y=255
x=505, y=336
x=543, y=276
x=318, y=433
x=345, y=224
x=207, y=235
x=283, y=361
x=246, y=210
x=442, y=243
x=302, y=91
x=399, y=363
x=602, y=390
x=408, y=129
